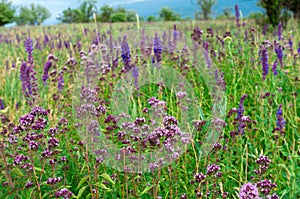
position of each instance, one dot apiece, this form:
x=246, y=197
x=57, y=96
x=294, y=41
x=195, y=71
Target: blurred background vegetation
x=276, y=11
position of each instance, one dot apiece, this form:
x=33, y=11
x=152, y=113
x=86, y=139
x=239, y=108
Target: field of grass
x=151, y=110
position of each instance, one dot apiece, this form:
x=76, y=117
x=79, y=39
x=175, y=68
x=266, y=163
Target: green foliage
x=227, y=14
x=167, y=14
x=151, y=18
x=118, y=17
x=294, y=6
x=6, y=12
x=273, y=10
x=105, y=13
x=206, y=6
x=82, y=14
x=34, y=15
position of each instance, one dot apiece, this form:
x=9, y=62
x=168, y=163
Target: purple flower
x=264, y=59
x=60, y=83
x=28, y=185
x=279, y=31
x=63, y=193
x=212, y=168
x=135, y=75
x=298, y=48
x=240, y=111
x=265, y=186
x=199, y=177
x=157, y=47
x=29, y=49
x=279, y=52
x=47, y=67
x=237, y=16
x=280, y=122
x=126, y=57
x=274, y=67
x=249, y=191
x=206, y=54
x=2, y=104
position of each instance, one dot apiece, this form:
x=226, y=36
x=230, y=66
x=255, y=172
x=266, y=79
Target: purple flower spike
x=29, y=49
x=280, y=122
x=1, y=104
x=279, y=53
x=274, y=67
x=135, y=75
x=157, y=47
x=237, y=16
x=60, y=83
x=47, y=67
x=126, y=54
x=279, y=31
x=265, y=64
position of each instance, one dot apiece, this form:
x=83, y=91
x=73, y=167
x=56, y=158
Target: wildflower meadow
x=150, y=110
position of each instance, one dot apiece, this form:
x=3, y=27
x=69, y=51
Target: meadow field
x=155, y=110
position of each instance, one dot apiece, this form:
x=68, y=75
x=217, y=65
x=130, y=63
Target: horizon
x=186, y=8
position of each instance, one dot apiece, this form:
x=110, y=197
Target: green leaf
x=29, y=193
x=17, y=171
x=107, y=177
x=82, y=181
x=102, y=186
x=39, y=169
x=147, y=189
x=81, y=191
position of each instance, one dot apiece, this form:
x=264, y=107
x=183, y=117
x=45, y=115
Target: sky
x=143, y=7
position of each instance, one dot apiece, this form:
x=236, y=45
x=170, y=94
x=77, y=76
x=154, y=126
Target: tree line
x=276, y=11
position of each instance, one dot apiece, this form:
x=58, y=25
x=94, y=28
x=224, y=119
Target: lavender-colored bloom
x=47, y=67
x=265, y=64
x=135, y=76
x=237, y=16
x=249, y=191
x=212, y=168
x=29, y=49
x=274, y=67
x=279, y=31
x=206, y=54
x=126, y=57
x=60, y=83
x=63, y=193
x=241, y=109
x=157, y=47
x=279, y=53
x=298, y=48
x=280, y=122
x=199, y=177
x=266, y=186
x=1, y=104
x=28, y=185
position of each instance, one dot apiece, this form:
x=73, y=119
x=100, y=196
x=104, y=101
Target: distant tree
x=82, y=14
x=294, y=6
x=33, y=15
x=151, y=18
x=167, y=14
x=87, y=8
x=227, y=14
x=118, y=17
x=130, y=16
x=105, y=13
x=273, y=9
x=70, y=16
x=206, y=6
x=7, y=12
